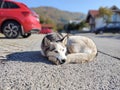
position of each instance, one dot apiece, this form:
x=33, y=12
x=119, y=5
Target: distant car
x=17, y=19
x=45, y=31
x=110, y=28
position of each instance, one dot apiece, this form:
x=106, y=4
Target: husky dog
x=68, y=49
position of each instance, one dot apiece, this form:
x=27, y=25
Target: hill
x=58, y=16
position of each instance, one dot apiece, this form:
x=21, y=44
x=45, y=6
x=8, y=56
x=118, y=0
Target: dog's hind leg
x=79, y=58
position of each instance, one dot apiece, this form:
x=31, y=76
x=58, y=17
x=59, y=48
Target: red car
x=45, y=31
x=17, y=19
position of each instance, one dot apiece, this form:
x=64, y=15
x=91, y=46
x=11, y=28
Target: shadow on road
x=30, y=56
x=3, y=38
x=11, y=38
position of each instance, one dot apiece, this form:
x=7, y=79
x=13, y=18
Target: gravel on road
x=23, y=68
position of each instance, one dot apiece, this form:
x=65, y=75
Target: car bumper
x=31, y=25
x=35, y=31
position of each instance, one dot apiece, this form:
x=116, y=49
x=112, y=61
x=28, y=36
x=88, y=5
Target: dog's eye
x=56, y=51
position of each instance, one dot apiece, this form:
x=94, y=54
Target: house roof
x=114, y=8
x=94, y=13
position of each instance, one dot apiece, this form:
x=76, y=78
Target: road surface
x=23, y=68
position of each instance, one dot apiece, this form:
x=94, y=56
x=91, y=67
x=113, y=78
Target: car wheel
x=26, y=35
x=11, y=29
x=119, y=32
x=96, y=32
x=100, y=32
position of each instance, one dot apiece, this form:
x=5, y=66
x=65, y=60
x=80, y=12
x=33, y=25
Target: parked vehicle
x=45, y=31
x=109, y=28
x=17, y=19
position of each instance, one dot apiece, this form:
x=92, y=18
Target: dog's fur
x=68, y=49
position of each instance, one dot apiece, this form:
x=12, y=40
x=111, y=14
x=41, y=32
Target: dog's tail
x=80, y=57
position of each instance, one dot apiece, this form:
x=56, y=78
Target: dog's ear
x=46, y=42
x=64, y=40
x=52, y=46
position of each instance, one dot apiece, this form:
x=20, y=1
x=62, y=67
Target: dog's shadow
x=28, y=56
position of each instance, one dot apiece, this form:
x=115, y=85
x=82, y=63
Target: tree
x=60, y=27
x=42, y=19
x=47, y=20
x=105, y=13
x=82, y=24
x=75, y=26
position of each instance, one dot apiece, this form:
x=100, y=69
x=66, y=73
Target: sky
x=72, y=5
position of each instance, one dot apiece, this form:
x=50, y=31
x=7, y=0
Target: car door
x=117, y=29
x=8, y=9
x=110, y=28
x=1, y=4
x=4, y=11
x=107, y=28
x=114, y=28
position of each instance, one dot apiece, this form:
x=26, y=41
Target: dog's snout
x=63, y=61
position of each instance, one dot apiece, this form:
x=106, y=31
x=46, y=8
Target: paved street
x=23, y=68
x=108, y=44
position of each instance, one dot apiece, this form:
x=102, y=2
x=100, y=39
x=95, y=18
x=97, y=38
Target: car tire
x=96, y=32
x=11, y=29
x=100, y=32
x=119, y=31
x=26, y=35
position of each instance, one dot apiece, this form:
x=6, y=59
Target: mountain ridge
x=57, y=15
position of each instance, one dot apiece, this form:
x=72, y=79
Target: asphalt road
x=108, y=44
x=23, y=68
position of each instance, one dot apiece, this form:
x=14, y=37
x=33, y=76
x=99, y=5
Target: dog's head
x=57, y=51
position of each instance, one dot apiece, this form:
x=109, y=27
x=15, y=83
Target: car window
x=110, y=25
x=0, y=3
x=118, y=25
x=10, y=5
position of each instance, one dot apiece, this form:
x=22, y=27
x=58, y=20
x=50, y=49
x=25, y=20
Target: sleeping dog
x=68, y=49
